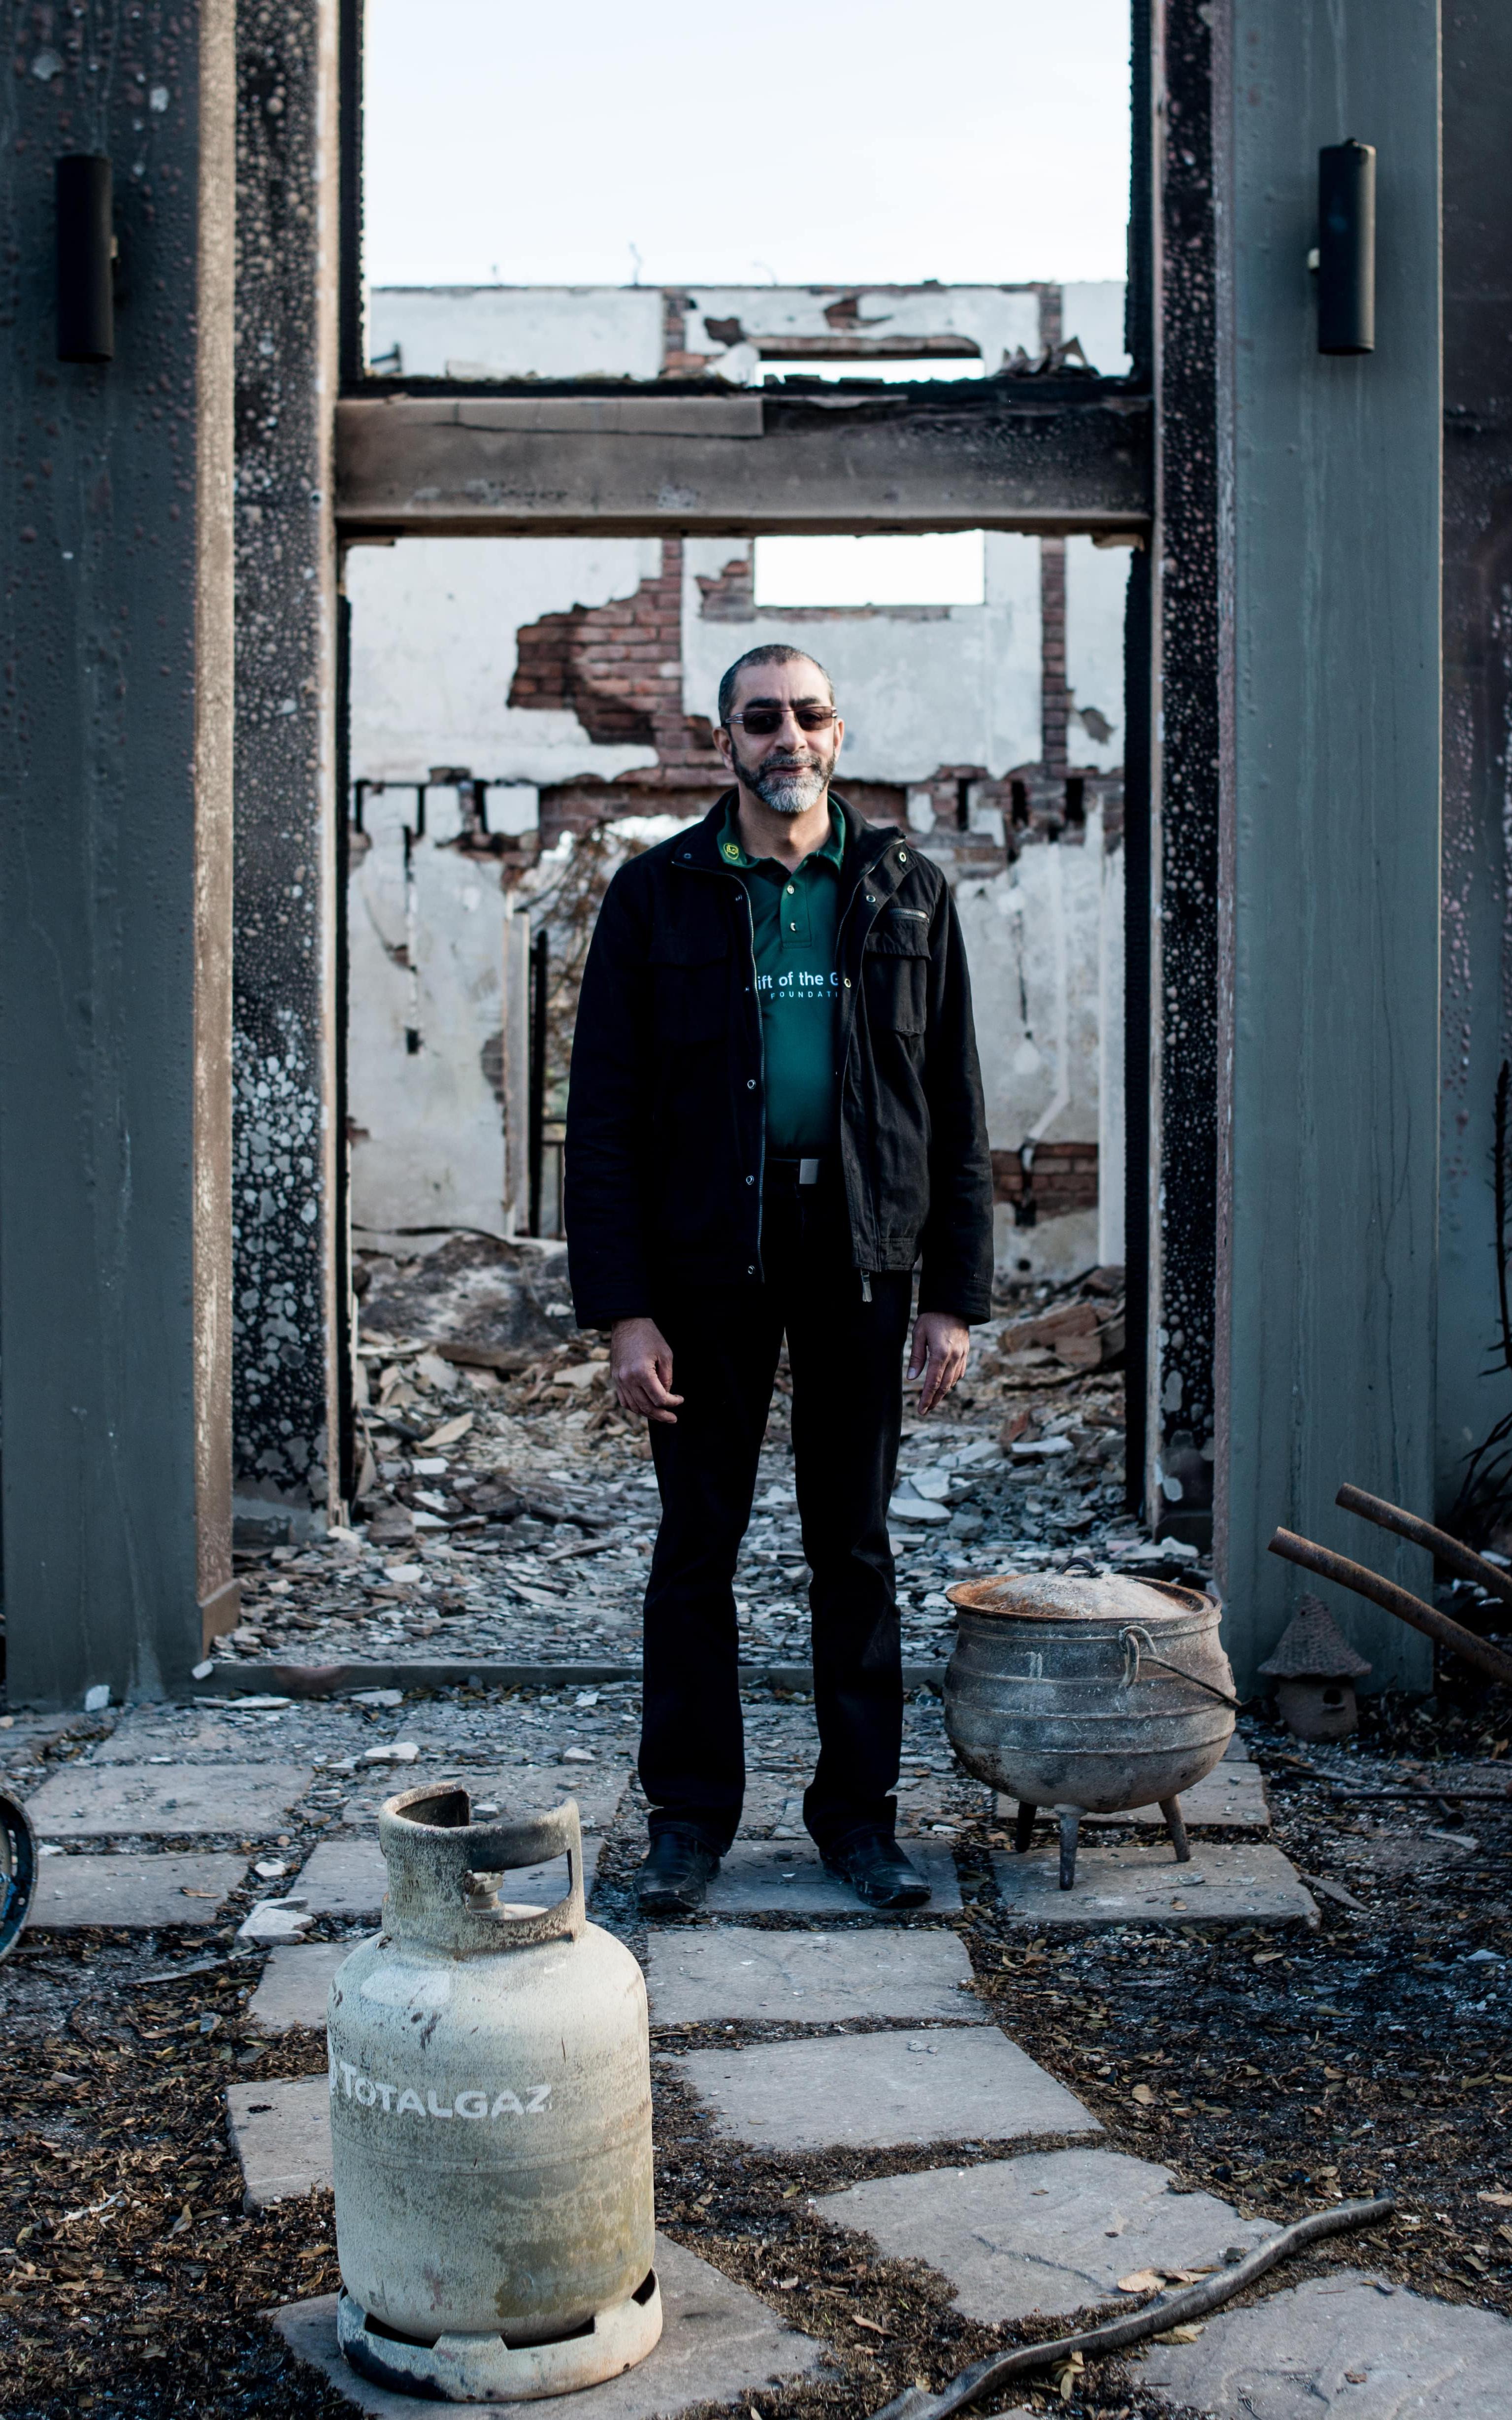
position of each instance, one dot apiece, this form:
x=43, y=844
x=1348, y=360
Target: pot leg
x=1171, y=1809
x=1024, y=1826
x=1071, y=1817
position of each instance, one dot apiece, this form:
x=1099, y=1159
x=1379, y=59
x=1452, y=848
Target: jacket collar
x=866, y=844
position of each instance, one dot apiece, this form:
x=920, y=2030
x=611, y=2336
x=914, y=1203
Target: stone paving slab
x=810, y=1977
x=877, y=2089
x=1230, y=1798
x=1135, y=1883
x=184, y=1734
x=134, y=1893
x=719, y=2344
x=294, y=1982
x=1050, y=2233
x=96, y=1801
x=1340, y=2344
x=770, y=1878
x=281, y=2131
x=347, y=1878
x=92, y=1801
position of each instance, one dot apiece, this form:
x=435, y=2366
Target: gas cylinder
x=490, y=2121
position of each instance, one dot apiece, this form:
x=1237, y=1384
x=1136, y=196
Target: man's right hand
x=640, y=1365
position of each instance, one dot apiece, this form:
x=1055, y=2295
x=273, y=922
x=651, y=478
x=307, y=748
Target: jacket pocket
x=689, y=974
x=895, y=972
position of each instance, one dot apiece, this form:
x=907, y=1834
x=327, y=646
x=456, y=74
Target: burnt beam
x=1063, y=455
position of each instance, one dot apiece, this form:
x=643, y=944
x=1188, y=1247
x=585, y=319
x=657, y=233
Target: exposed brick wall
x=1064, y=1177
x=555, y=665
x=676, y=358
x=620, y=668
x=730, y=596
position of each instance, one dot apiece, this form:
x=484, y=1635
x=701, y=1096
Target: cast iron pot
x=1098, y=1693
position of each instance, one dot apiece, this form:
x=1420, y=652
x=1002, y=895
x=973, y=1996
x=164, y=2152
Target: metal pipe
x=1445, y=1550
x=1399, y=1601
x=1346, y=248
x=86, y=247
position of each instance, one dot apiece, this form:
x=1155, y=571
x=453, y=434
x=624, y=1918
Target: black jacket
x=666, y=1118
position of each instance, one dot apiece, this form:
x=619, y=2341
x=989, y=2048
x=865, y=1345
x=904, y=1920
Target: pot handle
x=1131, y=1639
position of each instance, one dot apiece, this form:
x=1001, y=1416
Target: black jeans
x=846, y=1360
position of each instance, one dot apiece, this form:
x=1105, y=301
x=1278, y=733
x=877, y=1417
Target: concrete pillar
x=1477, y=712
x=288, y=1213
x=1177, y=1417
x=1331, y=696
x=115, y=902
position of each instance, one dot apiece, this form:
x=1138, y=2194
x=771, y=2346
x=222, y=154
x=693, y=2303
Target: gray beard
x=788, y=790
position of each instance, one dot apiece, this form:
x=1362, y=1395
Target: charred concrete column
x=116, y=904
x=1177, y=1416
x=285, y=1210
x=1330, y=744
x=1477, y=714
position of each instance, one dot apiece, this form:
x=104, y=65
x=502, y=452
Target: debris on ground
x=508, y=1507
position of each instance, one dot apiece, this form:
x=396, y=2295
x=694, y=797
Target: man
x=776, y=1111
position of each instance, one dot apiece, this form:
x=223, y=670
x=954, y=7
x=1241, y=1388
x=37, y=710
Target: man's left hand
x=941, y=1343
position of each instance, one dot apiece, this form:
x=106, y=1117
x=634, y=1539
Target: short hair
x=773, y=654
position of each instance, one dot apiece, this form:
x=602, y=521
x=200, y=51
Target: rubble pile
x=508, y=1510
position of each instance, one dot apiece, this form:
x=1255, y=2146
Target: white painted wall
x=427, y=943
x=915, y=695
x=1049, y=1021
x=997, y=318
x=433, y=654
x=519, y=331
x=562, y=332
x=1097, y=585
x=1033, y=936
x=1095, y=314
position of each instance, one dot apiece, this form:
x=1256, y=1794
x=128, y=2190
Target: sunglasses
x=759, y=721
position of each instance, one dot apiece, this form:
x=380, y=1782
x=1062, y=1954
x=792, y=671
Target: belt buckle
x=808, y=1171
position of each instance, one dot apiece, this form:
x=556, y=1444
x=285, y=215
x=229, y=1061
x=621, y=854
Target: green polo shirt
x=793, y=918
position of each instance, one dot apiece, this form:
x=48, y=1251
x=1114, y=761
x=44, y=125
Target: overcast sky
x=836, y=140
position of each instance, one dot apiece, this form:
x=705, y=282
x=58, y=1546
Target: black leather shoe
x=677, y=1873
x=877, y=1870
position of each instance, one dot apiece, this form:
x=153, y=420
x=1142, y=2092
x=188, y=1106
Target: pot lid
x=1075, y=1596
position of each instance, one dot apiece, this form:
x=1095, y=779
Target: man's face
x=787, y=767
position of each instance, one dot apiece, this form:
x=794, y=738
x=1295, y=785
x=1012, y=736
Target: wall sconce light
x=86, y=250
x=1346, y=248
